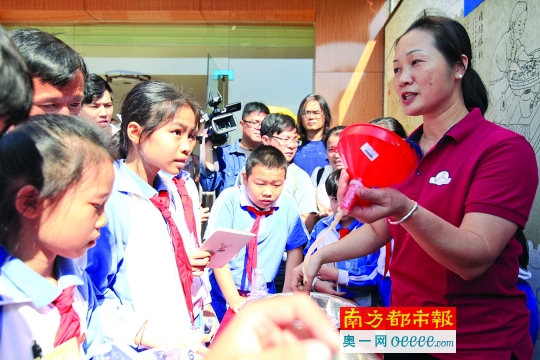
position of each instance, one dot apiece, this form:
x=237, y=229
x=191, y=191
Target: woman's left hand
x=328, y=272
x=384, y=202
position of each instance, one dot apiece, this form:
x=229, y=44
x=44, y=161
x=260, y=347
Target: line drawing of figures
x=514, y=80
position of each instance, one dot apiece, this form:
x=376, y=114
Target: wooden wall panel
x=367, y=103
x=242, y=11
x=162, y=11
x=343, y=30
x=146, y=11
x=43, y=11
x=43, y=5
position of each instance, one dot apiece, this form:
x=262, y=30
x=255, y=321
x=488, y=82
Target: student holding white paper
x=258, y=206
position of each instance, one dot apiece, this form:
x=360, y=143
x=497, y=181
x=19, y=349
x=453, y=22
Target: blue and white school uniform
x=283, y=230
x=357, y=277
x=27, y=313
x=298, y=184
x=133, y=264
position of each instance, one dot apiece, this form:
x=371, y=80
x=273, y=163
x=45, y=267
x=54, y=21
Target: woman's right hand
x=312, y=268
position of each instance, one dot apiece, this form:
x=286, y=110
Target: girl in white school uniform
x=147, y=266
x=55, y=177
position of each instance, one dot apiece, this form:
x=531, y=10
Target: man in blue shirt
x=223, y=164
x=314, y=121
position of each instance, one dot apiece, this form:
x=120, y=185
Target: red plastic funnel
x=374, y=156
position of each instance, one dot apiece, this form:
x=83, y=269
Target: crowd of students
x=100, y=233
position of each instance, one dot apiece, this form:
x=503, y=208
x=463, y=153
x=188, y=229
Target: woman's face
x=332, y=154
x=423, y=80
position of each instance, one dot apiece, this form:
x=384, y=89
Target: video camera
x=220, y=122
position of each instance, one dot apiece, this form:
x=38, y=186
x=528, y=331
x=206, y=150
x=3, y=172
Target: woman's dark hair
x=94, y=88
x=276, y=123
x=50, y=152
x=336, y=130
x=152, y=104
x=16, y=89
x=325, y=109
x=267, y=156
x=391, y=124
x=331, y=183
x=48, y=58
x=452, y=40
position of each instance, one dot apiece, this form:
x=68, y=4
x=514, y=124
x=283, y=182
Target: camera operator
x=231, y=159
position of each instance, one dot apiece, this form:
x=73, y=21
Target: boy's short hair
x=277, y=123
x=48, y=58
x=332, y=181
x=254, y=107
x=94, y=88
x=267, y=156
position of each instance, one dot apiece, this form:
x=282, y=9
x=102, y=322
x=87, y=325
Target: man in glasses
x=222, y=165
x=314, y=121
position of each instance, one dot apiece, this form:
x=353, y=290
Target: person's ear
x=27, y=201
x=462, y=66
x=265, y=139
x=134, y=132
x=244, y=178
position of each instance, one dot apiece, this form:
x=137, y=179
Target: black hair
x=94, y=88
x=16, y=89
x=336, y=130
x=277, y=123
x=331, y=183
x=391, y=124
x=452, y=40
x=50, y=152
x=267, y=156
x=325, y=109
x=48, y=58
x=254, y=107
x=524, y=257
x=152, y=104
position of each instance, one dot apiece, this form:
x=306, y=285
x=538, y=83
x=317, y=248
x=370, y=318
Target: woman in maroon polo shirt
x=455, y=217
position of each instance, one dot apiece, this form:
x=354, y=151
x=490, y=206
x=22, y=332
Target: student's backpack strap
x=319, y=175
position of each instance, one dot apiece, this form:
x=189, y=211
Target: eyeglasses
x=316, y=114
x=286, y=142
x=253, y=124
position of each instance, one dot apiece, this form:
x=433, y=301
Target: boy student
x=356, y=278
x=281, y=131
x=222, y=165
x=258, y=206
x=97, y=104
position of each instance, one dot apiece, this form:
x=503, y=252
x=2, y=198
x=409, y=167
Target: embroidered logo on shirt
x=442, y=178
